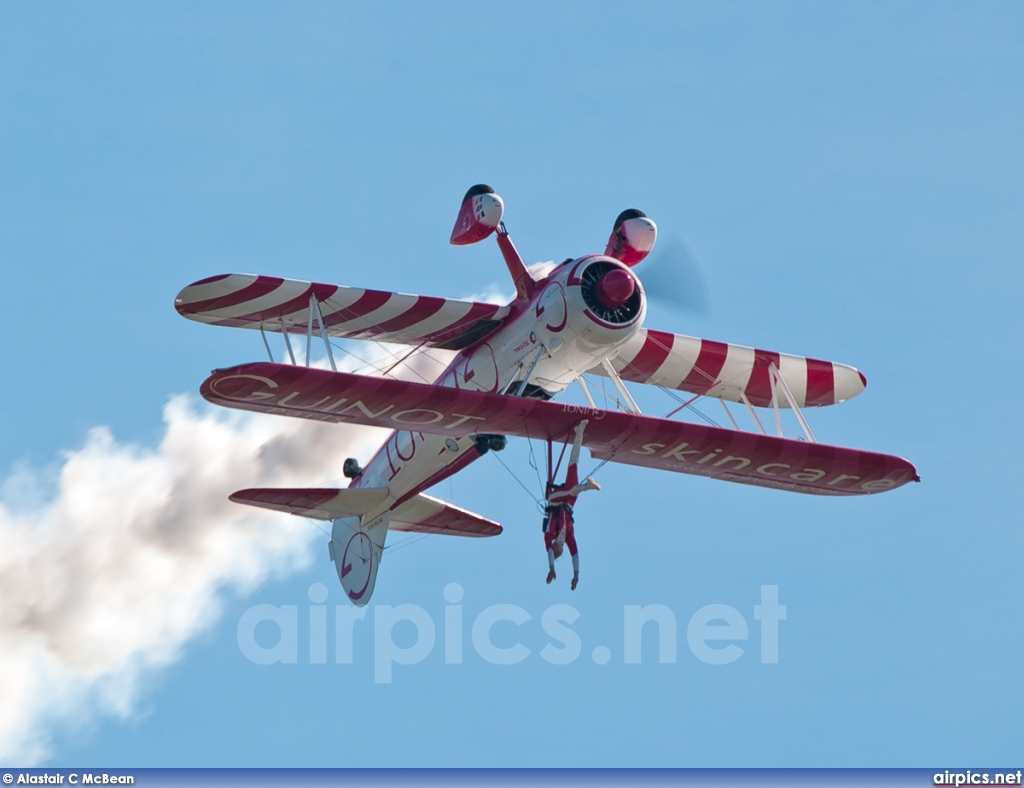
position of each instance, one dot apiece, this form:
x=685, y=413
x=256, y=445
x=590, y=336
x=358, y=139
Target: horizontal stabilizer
x=320, y=503
x=427, y=515
x=421, y=513
x=276, y=304
x=683, y=447
x=732, y=372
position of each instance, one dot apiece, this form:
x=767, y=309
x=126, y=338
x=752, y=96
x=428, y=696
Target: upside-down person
x=558, y=522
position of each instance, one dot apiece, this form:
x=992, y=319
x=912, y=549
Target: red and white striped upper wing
x=276, y=304
x=724, y=371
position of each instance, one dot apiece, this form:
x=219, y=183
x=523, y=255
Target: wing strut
x=630, y=403
x=753, y=414
x=287, y=342
x=309, y=332
x=775, y=405
x=315, y=305
x=586, y=392
x=265, y=343
x=529, y=373
x=735, y=426
x=780, y=381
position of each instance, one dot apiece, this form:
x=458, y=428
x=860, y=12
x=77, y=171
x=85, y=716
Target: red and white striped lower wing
x=724, y=371
x=276, y=304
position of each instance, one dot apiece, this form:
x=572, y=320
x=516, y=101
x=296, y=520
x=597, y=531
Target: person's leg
x=572, y=475
x=589, y=484
x=549, y=538
x=570, y=542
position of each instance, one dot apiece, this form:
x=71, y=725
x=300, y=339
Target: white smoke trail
x=135, y=553
x=496, y=294
x=108, y=577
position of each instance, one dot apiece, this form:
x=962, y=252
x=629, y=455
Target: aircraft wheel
x=486, y=443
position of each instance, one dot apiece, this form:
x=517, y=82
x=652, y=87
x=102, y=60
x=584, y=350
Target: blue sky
x=849, y=177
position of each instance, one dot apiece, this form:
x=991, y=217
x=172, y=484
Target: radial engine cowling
x=610, y=293
x=589, y=308
x=479, y=215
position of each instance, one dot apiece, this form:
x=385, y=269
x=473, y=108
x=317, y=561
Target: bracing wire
x=391, y=363
x=394, y=548
x=534, y=465
x=390, y=548
x=519, y=481
x=668, y=391
x=317, y=525
x=533, y=457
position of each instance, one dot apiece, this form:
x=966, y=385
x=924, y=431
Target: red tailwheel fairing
x=479, y=215
x=729, y=455
x=632, y=237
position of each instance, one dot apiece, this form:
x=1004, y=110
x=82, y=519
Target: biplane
x=581, y=317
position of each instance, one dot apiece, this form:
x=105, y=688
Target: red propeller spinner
x=615, y=288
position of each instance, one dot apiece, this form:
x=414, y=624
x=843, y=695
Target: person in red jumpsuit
x=558, y=524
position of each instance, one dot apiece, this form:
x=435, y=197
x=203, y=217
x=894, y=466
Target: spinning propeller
x=672, y=277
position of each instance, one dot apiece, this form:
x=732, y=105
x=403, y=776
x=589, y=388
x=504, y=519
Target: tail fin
x=356, y=543
x=357, y=538
x=356, y=550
